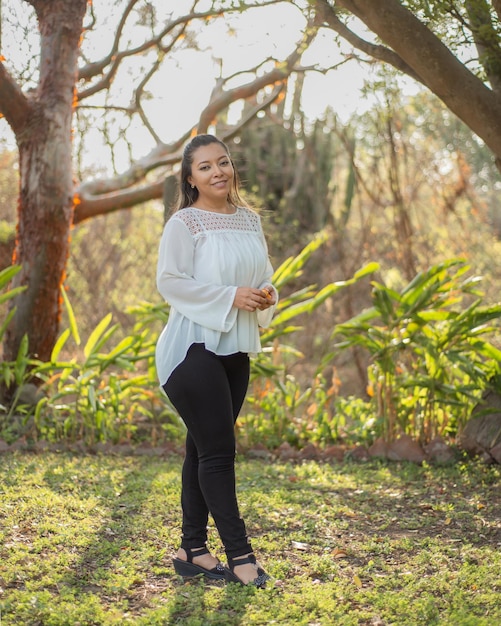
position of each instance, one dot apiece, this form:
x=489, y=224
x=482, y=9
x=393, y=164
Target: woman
x=214, y=271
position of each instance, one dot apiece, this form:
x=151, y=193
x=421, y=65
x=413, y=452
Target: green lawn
x=87, y=540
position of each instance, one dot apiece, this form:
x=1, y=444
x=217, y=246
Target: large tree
x=40, y=103
x=452, y=47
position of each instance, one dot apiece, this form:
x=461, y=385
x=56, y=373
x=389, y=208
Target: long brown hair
x=187, y=195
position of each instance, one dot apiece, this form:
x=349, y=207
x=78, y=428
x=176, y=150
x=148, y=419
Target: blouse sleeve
x=264, y=317
x=206, y=304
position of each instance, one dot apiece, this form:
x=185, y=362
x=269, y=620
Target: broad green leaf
x=59, y=345
x=21, y=360
x=292, y=311
x=432, y=316
x=12, y=293
x=370, y=268
x=96, y=335
x=7, y=274
x=289, y=269
x=71, y=316
x=6, y=322
x=91, y=394
x=122, y=347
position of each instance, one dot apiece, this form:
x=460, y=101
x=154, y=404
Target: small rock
x=336, y=453
x=19, y=444
x=30, y=394
x=77, y=446
x=123, y=449
x=309, y=452
x=41, y=446
x=496, y=453
x=259, y=451
x=482, y=432
x=285, y=452
x=378, y=449
x=359, y=453
x=437, y=451
x=486, y=458
x=405, y=448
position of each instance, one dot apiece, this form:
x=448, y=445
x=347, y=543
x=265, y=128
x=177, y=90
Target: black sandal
x=188, y=569
x=231, y=577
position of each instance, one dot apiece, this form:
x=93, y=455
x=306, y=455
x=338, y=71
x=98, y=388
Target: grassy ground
x=87, y=540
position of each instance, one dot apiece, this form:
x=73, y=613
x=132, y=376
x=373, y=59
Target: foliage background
x=405, y=185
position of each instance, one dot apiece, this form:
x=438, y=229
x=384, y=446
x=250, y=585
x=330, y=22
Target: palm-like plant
x=430, y=359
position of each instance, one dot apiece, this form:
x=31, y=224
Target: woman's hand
x=250, y=299
x=269, y=293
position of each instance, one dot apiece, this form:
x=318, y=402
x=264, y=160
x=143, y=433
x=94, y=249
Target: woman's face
x=212, y=174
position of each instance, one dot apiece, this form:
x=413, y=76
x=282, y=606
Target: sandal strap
x=261, y=578
x=191, y=553
x=241, y=560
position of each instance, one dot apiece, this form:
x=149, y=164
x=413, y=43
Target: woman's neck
x=223, y=208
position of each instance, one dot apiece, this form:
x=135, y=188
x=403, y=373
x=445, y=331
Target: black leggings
x=208, y=392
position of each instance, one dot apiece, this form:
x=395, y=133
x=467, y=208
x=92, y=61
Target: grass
x=87, y=540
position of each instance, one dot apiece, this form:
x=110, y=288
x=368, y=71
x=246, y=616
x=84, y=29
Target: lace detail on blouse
x=200, y=222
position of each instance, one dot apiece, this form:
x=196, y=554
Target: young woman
x=214, y=270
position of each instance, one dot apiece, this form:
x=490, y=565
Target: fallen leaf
x=357, y=581
x=339, y=553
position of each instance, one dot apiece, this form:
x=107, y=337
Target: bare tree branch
x=435, y=65
x=377, y=51
x=222, y=99
x=137, y=98
x=162, y=155
x=104, y=193
x=115, y=57
x=100, y=197
x=93, y=69
x=91, y=207
x=14, y=105
x=251, y=114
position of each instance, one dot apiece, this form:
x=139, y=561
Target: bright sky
x=267, y=31
x=182, y=89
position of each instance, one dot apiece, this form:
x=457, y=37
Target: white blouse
x=203, y=257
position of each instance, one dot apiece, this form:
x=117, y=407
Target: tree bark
x=433, y=63
x=46, y=186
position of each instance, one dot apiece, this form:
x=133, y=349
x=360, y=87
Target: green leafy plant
x=430, y=358
x=12, y=374
x=10, y=371
x=112, y=394
x=106, y=392
x=280, y=410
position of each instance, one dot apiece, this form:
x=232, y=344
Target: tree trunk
x=46, y=185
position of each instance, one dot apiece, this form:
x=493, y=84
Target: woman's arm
x=207, y=304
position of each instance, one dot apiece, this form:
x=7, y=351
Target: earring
x=193, y=186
